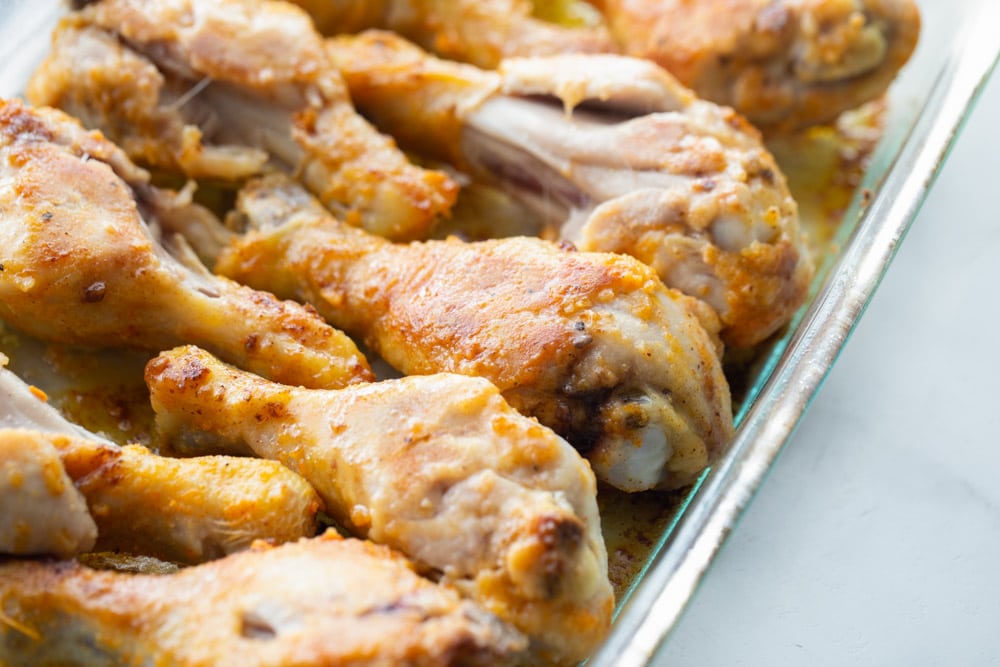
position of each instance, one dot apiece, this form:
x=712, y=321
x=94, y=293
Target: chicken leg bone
x=438, y=467
x=591, y=344
x=616, y=156
x=65, y=490
x=314, y=603
x=79, y=265
x=219, y=88
x=785, y=64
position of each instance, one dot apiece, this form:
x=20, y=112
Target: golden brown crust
x=482, y=32
x=786, y=64
x=568, y=337
x=227, y=89
x=324, y=602
x=81, y=266
x=439, y=467
x=683, y=185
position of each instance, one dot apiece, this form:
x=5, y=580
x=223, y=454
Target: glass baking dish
x=671, y=539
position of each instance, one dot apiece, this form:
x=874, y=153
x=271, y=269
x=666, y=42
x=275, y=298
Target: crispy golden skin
x=591, y=344
x=324, y=602
x=616, y=155
x=439, y=467
x=181, y=510
x=65, y=490
x=81, y=266
x=784, y=64
x=476, y=31
x=224, y=88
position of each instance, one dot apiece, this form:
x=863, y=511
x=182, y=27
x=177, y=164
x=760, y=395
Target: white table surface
x=875, y=540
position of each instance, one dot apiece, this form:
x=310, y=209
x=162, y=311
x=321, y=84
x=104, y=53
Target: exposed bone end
x=669, y=416
x=656, y=447
x=43, y=513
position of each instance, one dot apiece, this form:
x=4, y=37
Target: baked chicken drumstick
x=65, y=490
x=784, y=64
x=591, y=344
x=616, y=155
x=218, y=88
x=481, y=32
x=81, y=266
x=438, y=467
x=324, y=602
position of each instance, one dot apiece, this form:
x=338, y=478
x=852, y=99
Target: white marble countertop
x=875, y=540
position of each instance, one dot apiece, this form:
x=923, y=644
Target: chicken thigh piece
x=592, y=344
x=438, y=467
x=613, y=153
x=81, y=266
x=481, y=32
x=784, y=64
x=325, y=602
x=62, y=487
x=223, y=89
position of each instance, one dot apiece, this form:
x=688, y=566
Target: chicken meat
x=438, y=467
x=481, y=32
x=42, y=512
x=80, y=265
x=223, y=89
x=616, y=156
x=325, y=602
x=65, y=490
x=592, y=344
x=784, y=64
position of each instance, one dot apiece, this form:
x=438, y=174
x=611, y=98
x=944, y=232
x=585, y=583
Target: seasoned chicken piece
x=438, y=467
x=81, y=266
x=219, y=88
x=62, y=486
x=476, y=31
x=784, y=64
x=41, y=512
x=324, y=602
x=591, y=344
x=615, y=154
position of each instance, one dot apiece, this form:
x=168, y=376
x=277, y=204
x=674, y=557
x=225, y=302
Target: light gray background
x=875, y=539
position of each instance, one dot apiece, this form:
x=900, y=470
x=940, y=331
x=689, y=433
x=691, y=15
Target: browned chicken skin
x=616, y=155
x=324, y=602
x=438, y=466
x=81, y=266
x=481, y=32
x=784, y=64
x=591, y=344
x=64, y=490
x=219, y=88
